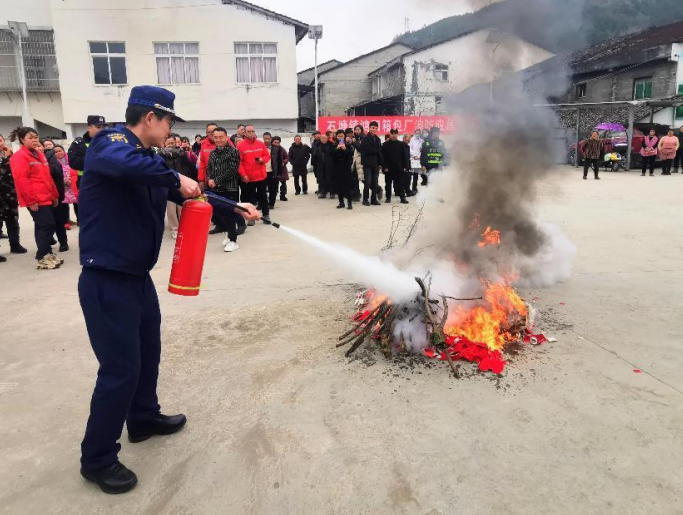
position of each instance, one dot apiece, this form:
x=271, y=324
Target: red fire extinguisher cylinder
x=190, y=248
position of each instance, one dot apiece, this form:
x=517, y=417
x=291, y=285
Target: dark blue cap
x=155, y=98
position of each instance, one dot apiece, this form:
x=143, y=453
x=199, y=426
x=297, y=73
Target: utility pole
x=316, y=32
x=20, y=32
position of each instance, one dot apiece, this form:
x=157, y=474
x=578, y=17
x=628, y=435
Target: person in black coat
x=678, y=163
x=57, y=174
x=371, y=158
x=80, y=145
x=323, y=160
x=396, y=166
x=299, y=156
x=315, y=145
x=342, y=159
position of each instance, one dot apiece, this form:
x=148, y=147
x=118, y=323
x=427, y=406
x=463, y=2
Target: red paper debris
x=495, y=365
x=637, y=371
x=534, y=339
x=429, y=352
x=460, y=348
x=562, y=304
x=536, y=298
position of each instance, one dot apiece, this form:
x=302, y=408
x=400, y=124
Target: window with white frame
x=177, y=63
x=441, y=72
x=109, y=62
x=256, y=62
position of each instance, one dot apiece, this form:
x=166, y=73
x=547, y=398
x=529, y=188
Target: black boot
x=341, y=205
x=3, y=259
x=17, y=249
x=404, y=201
x=113, y=479
x=159, y=425
x=366, y=203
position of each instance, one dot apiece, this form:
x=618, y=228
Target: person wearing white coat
x=415, y=154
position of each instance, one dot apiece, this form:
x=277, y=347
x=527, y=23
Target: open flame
x=490, y=324
x=490, y=237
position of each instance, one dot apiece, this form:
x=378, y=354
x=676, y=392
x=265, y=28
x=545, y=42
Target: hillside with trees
x=557, y=25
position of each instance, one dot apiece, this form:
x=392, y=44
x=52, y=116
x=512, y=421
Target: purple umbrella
x=616, y=127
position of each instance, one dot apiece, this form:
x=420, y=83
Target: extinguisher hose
x=234, y=206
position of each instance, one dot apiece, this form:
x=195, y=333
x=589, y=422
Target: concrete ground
x=281, y=423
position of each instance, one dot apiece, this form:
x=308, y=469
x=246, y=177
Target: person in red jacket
x=253, y=158
x=36, y=191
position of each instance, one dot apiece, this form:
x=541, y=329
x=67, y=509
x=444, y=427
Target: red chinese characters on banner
x=404, y=124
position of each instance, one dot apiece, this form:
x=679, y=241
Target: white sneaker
x=174, y=234
x=226, y=240
x=232, y=246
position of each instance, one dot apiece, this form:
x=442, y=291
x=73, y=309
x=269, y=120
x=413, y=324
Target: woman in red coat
x=36, y=191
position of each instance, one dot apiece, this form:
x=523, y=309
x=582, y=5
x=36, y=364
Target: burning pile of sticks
x=377, y=319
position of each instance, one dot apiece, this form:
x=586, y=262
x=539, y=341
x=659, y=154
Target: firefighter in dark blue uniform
x=122, y=200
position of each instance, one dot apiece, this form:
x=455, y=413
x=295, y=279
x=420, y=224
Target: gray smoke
x=502, y=152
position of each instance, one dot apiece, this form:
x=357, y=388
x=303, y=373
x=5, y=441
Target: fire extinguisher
x=190, y=248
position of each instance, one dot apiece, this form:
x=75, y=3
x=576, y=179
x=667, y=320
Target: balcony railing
x=40, y=62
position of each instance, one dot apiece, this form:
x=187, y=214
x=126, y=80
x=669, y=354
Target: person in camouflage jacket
x=9, y=206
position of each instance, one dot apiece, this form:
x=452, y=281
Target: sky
x=357, y=27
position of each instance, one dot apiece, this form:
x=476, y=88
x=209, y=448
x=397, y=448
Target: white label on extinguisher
x=178, y=246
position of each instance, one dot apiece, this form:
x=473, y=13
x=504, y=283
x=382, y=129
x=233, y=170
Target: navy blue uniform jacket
x=122, y=203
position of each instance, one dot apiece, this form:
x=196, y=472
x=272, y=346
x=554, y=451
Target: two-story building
x=227, y=61
x=307, y=94
x=348, y=84
x=415, y=83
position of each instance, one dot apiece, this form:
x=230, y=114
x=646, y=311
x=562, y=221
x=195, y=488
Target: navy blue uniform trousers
x=124, y=325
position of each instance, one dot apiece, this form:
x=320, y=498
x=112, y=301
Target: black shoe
x=321, y=196
x=350, y=206
x=305, y=193
x=114, y=479
x=64, y=247
x=216, y=230
x=376, y=203
x=241, y=230
x=585, y=178
x=387, y=200
x=404, y=201
x=266, y=220
x=380, y=192
x=53, y=242
x=17, y=249
x=652, y=175
x=298, y=193
x=341, y=206
x=366, y=203
x=3, y=259
x=597, y=178
x=642, y=175
x=159, y=425
x=284, y=199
